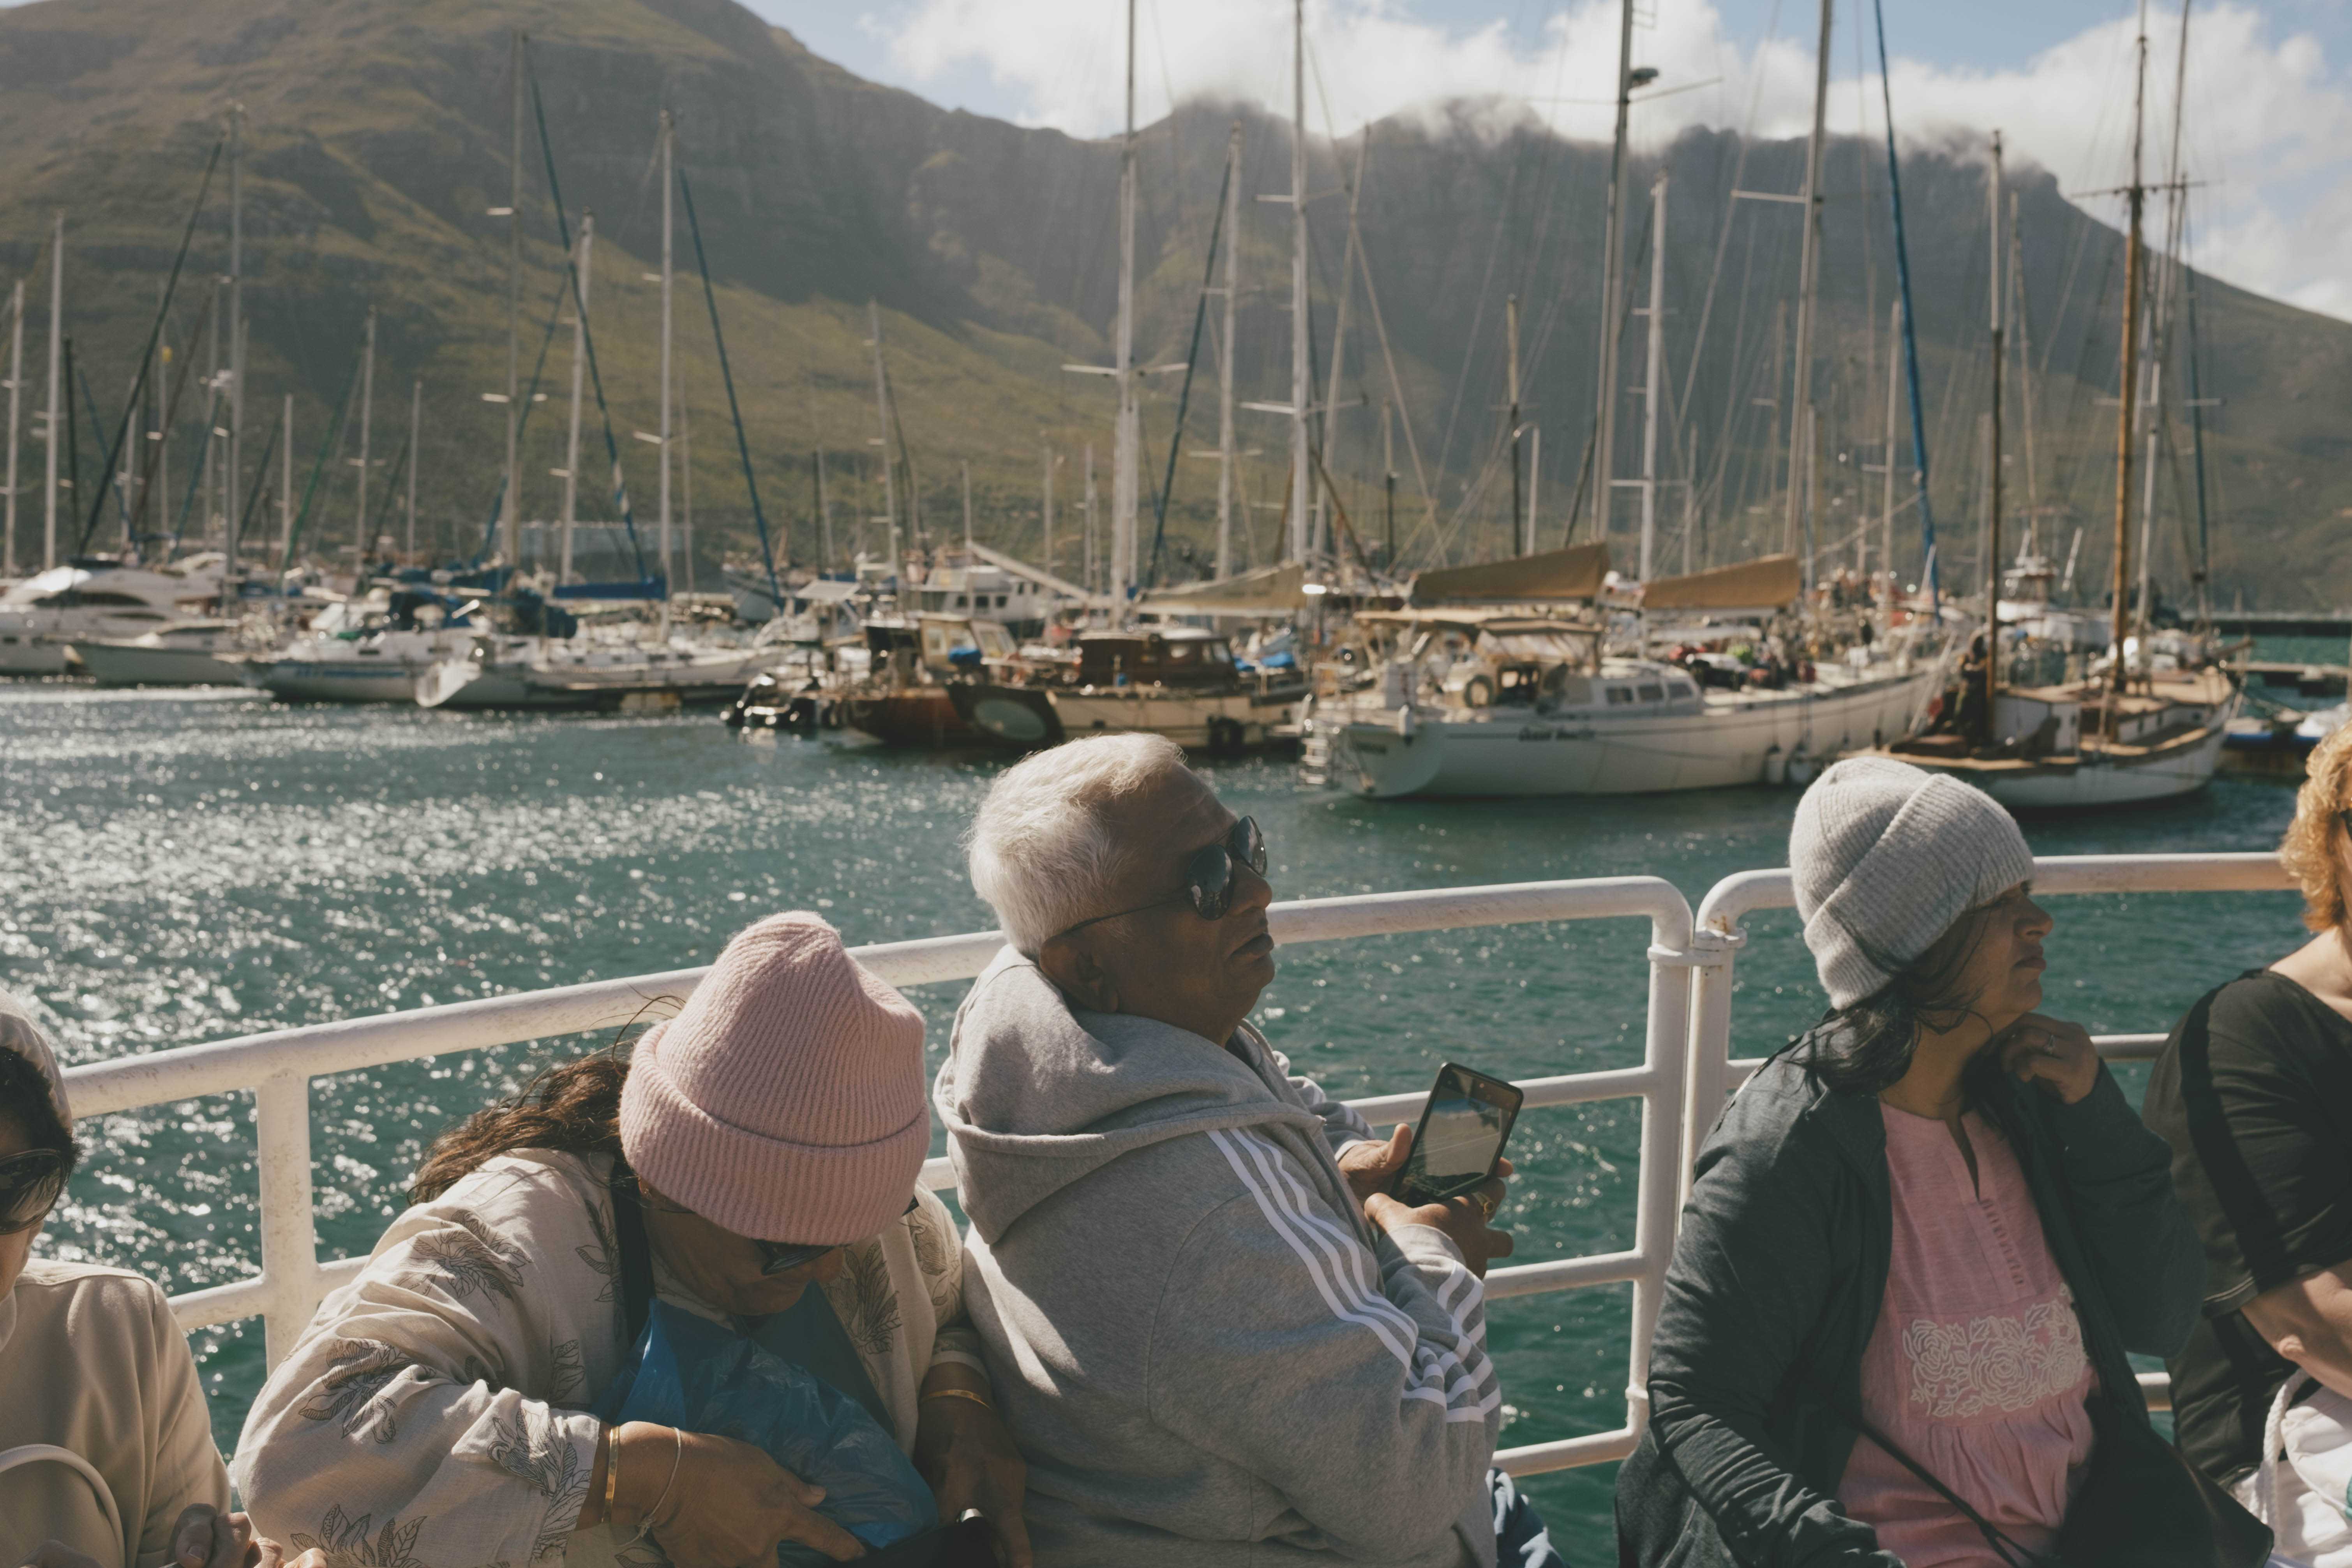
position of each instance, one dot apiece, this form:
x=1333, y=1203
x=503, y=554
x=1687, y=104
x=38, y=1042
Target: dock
x=2304, y=680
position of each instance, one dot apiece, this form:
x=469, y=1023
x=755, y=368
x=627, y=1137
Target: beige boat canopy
x=1765, y=583
x=1268, y=591
x=1575, y=573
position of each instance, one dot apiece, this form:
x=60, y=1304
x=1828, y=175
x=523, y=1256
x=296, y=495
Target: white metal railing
x=1687, y=1070
x=279, y=1067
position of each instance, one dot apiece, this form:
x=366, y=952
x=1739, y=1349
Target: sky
x=2268, y=97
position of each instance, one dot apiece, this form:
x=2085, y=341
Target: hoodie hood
x=1037, y=1094
x=19, y=1033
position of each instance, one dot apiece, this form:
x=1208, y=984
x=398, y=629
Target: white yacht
x=1499, y=701
x=43, y=617
x=1526, y=705
x=555, y=673
x=370, y=650
x=201, y=652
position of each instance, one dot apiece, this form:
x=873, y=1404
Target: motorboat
x=197, y=652
x=581, y=673
x=913, y=665
x=42, y=617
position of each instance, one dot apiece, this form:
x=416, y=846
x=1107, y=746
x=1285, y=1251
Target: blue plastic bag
x=700, y=1376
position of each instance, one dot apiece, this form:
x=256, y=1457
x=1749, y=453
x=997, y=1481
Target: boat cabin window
x=1681, y=689
x=100, y=599
x=1563, y=688
x=996, y=642
x=1219, y=654
x=1514, y=685
x=1651, y=691
x=1620, y=696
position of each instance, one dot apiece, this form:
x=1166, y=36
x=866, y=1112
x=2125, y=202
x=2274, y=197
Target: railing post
x=1657, y=1202
x=289, y=1241
x=1714, y=951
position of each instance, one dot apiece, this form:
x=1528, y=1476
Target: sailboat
x=2150, y=727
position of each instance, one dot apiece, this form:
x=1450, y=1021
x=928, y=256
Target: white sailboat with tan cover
x=1509, y=700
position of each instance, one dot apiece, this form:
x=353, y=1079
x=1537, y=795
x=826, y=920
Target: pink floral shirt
x=1976, y=1366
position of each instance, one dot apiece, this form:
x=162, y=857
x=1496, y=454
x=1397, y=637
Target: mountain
x=378, y=137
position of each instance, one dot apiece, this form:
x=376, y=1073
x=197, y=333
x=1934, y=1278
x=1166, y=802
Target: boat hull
x=1734, y=739
x=921, y=718
x=2096, y=781
x=1224, y=723
x=128, y=664
x=23, y=653
x=340, y=680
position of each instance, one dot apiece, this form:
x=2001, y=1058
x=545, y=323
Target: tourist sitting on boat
x=753, y=1161
x=1933, y=1224
x=1215, y=1337
x=106, y=1447
x=2255, y=1093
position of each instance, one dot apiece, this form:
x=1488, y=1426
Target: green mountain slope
x=379, y=138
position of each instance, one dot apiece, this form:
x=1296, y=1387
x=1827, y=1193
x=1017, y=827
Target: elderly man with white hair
x=1216, y=1340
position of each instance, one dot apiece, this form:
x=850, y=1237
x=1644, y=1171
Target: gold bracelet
x=612, y=1472
x=978, y=1399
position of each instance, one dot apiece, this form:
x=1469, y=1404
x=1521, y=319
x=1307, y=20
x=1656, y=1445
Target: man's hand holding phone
x=1466, y=1221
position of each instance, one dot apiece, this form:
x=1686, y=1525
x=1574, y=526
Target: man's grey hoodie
x=1207, y=1354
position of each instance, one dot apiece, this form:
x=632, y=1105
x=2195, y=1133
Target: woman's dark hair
x=27, y=1104
x=1868, y=1048
x=573, y=1107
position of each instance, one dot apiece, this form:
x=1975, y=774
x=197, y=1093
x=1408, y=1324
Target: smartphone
x=1460, y=1137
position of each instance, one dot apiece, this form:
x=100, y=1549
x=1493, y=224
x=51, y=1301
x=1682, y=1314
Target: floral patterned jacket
x=432, y=1414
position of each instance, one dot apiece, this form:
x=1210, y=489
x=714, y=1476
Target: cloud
x=2266, y=111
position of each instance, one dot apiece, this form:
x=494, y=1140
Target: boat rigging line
x=1184, y=395
x=727, y=374
x=1927, y=573
x=147, y=355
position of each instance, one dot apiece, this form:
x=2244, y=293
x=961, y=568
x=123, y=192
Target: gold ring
x=1485, y=1206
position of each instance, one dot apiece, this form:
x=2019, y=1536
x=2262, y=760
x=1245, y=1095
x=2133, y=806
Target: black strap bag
x=2142, y=1506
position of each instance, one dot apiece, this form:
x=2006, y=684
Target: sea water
x=179, y=867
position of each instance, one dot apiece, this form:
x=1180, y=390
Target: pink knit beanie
x=785, y=1100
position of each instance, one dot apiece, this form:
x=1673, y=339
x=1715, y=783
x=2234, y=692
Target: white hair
x=1044, y=851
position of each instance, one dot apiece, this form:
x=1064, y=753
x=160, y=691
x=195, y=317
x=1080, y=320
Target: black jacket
x=1775, y=1283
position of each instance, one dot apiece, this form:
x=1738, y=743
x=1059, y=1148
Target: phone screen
x=1461, y=1133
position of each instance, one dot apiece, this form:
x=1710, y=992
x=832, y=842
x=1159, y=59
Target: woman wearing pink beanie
x=768, y=1139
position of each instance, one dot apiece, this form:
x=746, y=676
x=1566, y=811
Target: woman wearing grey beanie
x=1921, y=1239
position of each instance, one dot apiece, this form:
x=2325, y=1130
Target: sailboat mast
x=668, y=277
x=1652, y=374
x=1126, y=460
x=1323, y=499
x=1807, y=288
x=1301, y=461
x=54, y=421
x=1226, y=450
x=286, y=483
x=235, y=352
x=1894, y=397
x=967, y=508
x=579, y=367
x=882, y=411
x=367, y=423
x=1992, y=509
x=511, y=499
x=2134, y=197
x=16, y=398
x=416, y=422
x=1613, y=290
x=1511, y=362
x=1046, y=544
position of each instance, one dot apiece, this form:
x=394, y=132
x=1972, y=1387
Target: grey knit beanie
x=1885, y=857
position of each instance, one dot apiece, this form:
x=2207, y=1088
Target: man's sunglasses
x=1208, y=876
x=29, y=1185
x=781, y=1256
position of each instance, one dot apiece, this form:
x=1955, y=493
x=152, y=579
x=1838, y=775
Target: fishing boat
x=913, y=665
x=42, y=617
x=1180, y=681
